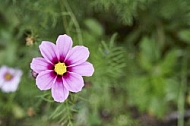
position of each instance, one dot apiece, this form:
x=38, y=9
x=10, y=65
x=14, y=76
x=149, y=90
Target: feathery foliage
x=139, y=48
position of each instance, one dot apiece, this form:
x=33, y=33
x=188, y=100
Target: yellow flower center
x=8, y=76
x=60, y=68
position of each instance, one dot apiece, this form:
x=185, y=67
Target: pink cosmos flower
x=9, y=79
x=61, y=68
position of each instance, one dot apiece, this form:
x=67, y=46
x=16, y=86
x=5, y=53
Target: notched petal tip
x=60, y=100
x=59, y=92
x=84, y=69
x=90, y=69
x=77, y=55
x=45, y=43
x=39, y=64
x=64, y=44
x=49, y=51
x=65, y=36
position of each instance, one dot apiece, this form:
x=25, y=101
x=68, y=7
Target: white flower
x=9, y=79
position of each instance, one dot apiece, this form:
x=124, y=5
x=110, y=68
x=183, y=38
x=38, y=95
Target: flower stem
x=74, y=20
x=182, y=90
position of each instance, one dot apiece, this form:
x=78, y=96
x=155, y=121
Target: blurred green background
x=139, y=48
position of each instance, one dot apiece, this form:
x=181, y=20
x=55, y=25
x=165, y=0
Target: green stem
x=68, y=112
x=64, y=13
x=181, y=99
x=74, y=20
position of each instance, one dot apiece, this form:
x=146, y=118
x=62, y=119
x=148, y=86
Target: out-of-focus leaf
x=10, y=56
x=150, y=49
x=157, y=83
x=167, y=65
x=94, y=26
x=157, y=107
x=144, y=62
x=139, y=92
x=149, y=53
x=172, y=89
x=18, y=111
x=185, y=35
x=2, y=55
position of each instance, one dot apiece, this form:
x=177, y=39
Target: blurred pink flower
x=62, y=67
x=9, y=79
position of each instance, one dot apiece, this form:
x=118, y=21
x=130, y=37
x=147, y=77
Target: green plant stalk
x=181, y=99
x=74, y=20
x=64, y=18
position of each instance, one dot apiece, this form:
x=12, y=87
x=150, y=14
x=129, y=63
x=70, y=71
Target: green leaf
x=184, y=35
x=172, y=89
x=94, y=27
x=145, y=54
x=139, y=92
x=10, y=56
x=156, y=107
x=18, y=111
x=149, y=49
x=167, y=65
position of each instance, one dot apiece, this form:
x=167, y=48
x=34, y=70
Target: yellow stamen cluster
x=60, y=68
x=8, y=76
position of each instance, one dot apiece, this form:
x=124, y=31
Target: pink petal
x=12, y=85
x=39, y=64
x=45, y=80
x=3, y=70
x=77, y=55
x=64, y=44
x=59, y=92
x=73, y=82
x=84, y=69
x=49, y=51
